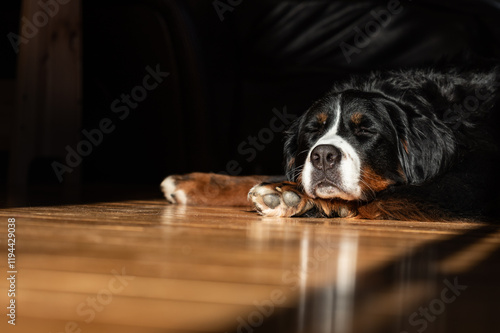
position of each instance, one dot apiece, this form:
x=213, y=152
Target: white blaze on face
x=349, y=168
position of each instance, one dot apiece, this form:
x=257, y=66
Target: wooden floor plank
x=211, y=269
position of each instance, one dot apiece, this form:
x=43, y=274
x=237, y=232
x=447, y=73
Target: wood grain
x=153, y=267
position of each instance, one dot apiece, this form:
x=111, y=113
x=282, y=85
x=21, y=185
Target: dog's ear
x=426, y=148
x=438, y=122
x=291, y=148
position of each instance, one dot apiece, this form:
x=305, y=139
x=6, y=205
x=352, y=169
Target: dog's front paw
x=279, y=200
x=175, y=190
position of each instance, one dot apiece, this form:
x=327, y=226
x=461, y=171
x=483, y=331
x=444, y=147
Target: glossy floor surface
x=145, y=266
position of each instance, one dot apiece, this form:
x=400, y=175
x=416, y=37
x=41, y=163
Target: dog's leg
x=285, y=199
x=279, y=198
x=404, y=209
x=208, y=189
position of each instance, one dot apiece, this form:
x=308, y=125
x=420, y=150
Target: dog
x=409, y=144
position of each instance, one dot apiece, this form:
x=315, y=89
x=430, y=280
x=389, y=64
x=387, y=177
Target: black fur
x=431, y=133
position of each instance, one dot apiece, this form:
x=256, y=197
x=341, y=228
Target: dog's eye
x=363, y=131
x=315, y=128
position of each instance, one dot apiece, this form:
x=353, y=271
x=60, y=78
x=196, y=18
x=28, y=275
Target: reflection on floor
x=144, y=266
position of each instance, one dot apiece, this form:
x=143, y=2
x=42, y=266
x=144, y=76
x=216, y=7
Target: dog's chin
x=327, y=190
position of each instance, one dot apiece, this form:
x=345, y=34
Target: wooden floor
x=145, y=266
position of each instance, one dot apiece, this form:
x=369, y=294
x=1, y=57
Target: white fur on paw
x=172, y=194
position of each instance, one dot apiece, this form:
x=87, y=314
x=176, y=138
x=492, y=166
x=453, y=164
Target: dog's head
x=354, y=144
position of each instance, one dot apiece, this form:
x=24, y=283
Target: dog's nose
x=324, y=157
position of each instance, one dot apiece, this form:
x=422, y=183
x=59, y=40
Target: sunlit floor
x=145, y=266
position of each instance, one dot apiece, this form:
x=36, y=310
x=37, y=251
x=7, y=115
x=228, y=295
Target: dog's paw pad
x=271, y=200
x=291, y=199
x=278, y=200
x=344, y=212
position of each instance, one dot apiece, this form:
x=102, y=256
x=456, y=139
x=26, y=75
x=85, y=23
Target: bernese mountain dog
x=413, y=144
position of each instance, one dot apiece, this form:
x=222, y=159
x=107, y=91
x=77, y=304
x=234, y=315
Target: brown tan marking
x=372, y=181
x=356, y=118
x=291, y=163
x=383, y=209
x=405, y=145
x=322, y=117
x=401, y=209
x=402, y=173
x=336, y=208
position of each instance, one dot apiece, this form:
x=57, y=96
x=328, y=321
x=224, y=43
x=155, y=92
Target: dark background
x=226, y=77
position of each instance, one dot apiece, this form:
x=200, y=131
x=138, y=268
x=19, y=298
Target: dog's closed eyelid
x=362, y=124
x=363, y=131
